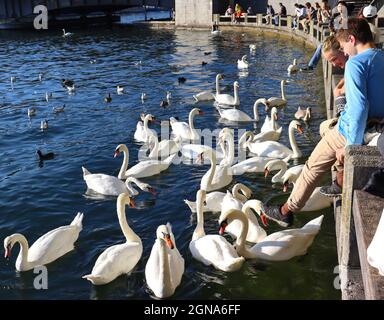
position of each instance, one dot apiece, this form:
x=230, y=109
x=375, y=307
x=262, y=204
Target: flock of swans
x=236, y=210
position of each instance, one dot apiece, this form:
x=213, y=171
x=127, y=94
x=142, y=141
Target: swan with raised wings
x=47, y=248
x=120, y=258
x=165, y=266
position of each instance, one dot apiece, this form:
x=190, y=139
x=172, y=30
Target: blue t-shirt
x=364, y=90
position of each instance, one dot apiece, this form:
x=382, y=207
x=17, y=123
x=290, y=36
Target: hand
x=340, y=154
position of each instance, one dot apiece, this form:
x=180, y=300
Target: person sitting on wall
x=282, y=14
x=270, y=14
x=364, y=94
x=238, y=12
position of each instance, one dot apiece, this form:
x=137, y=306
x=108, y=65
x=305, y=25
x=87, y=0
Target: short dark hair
x=357, y=27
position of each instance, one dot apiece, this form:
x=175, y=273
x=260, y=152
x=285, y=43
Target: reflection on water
x=36, y=199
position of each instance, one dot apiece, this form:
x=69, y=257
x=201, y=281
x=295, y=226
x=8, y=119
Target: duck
x=273, y=149
x=68, y=84
x=67, y=34
x=255, y=232
x=48, y=96
x=252, y=47
x=120, y=258
x=32, y=112
x=375, y=255
x=108, y=98
x=143, y=169
x=213, y=200
x=168, y=95
x=186, y=131
x=277, y=101
x=142, y=130
x=212, y=249
x=241, y=116
x=279, y=246
x=40, y=77
x=112, y=186
x=181, y=80
x=226, y=99
x=164, y=103
x=44, y=124
x=292, y=68
x=281, y=165
x=58, y=109
x=46, y=249
x=47, y=156
x=165, y=266
x=143, y=96
x=304, y=114
x=204, y=63
x=208, y=95
x=243, y=63
x=120, y=89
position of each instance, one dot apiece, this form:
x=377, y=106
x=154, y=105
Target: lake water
x=37, y=198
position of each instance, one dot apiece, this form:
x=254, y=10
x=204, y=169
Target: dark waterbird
x=182, y=79
x=108, y=98
x=47, y=156
x=164, y=103
x=67, y=83
x=204, y=63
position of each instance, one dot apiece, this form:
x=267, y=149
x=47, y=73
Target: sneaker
x=334, y=190
x=273, y=213
x=306, y=68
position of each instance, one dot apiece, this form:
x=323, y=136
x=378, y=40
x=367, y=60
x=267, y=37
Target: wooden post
x=259, y=19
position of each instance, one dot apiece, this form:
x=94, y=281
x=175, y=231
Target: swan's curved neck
x=240, y=241
x=217, y=85
x=273, y=121
x=129, y=234
x=199, y=230
x=283, y=168
x=124, y=165
x=292, y=140
x=191, y=125
x=211, y=171
x=23, y=254
x=282, y=91
x=164, y=272
x=236, y=193
x=236, y=94
x=256, y=111
x=155, y=149
x=230, y=156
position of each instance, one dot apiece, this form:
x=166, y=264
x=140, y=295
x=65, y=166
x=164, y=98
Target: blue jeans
x=316, y=57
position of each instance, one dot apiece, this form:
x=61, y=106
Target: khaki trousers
x=320, y=162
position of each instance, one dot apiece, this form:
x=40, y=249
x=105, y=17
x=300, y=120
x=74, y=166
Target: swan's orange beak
x=263, y=218
x=223, y=225
x=7, y=253
x=116, y=154
x=266, y=173
x=300, y=129
x=132, y=203
x=168, y=241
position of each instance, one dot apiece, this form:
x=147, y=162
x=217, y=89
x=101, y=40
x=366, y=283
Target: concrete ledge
x=367, y=211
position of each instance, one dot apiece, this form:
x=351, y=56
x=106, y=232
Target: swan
x=254, y=164
x=243, y=63
x=47, y=248
x=303, y=114
x=120, y=89
x=142, y=128
x=113, y=186
x=375, y=254
x=192, y=151
x=58, y=109
x=208, y=95
x=163, y=149
x=213, y=200
x=212, y=249
x=67, y=34
x=142, y=169
x=238, y=115
x=184, y=130
x=276, y=101
x=226, y=99
x=280, y=177
x=120, y=258
x=279, y=246
x=255, y=233
x=270, y=124
x=31, y=112
x=44, y=125
x=165, y=265
x=222, y=175
x=252, y=48
x=275, y=149
x=292, y=68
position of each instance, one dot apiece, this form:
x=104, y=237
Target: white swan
x=208, y=95
x=120, y=258
x=214, y=199
x=276, y=101
x=252, y=48
x=165, y=265
x=212, y=249
x=243, y=63
x=113, y=186
x=270, y=124
x=254, y=164
x=238, y=115
x=192, y=151
x=67, y=34
x=278, y=246
x=303, y=114
x=292, y=68
x=273, y=149
x=142, y=128
x=47, y=248
x=255, y=233
x=163, y=149
x=185, y=130
x=375, y=254
x=120, y=89
x=284, y=173
x=227, y=99
x=146, y=168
